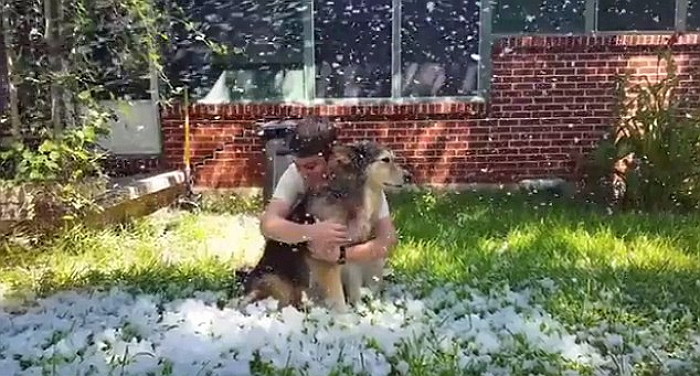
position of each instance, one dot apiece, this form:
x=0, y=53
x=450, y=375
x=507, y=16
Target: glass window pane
x=693, y=21
x=265, y=42
x=538, y=16
x=439, y=47
x=353, y=48
x=626, y=15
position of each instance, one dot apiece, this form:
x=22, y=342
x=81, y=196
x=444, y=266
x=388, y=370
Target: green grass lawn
x=628, y=274
x=650, y=261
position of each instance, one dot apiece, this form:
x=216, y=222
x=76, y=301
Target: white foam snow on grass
x=500, y=333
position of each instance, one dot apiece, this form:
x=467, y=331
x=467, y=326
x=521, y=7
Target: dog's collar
x=348, y=245
x=343, y=257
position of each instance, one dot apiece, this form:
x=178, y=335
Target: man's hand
x=324, y=252
x=378, y=248
x=325, y=239
x=328, y=233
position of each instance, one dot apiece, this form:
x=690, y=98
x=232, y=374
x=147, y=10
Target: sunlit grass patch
x=156, y=253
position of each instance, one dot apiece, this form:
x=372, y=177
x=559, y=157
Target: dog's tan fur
x=359, y=211
x=358, y=173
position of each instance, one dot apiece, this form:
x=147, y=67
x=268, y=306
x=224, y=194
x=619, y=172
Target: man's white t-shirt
x=291, y=187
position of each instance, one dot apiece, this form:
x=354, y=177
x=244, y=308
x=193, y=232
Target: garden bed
x=119, y=198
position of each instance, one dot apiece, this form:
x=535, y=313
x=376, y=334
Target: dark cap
x=312, y=136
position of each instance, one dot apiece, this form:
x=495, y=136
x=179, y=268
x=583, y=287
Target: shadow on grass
x=651, y=262
x=171, y=281
x=477, y=238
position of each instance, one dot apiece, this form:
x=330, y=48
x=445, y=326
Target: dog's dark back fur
x=284, y=260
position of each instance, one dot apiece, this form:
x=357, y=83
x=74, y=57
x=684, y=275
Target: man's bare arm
x=379, y=247
x=275, y=225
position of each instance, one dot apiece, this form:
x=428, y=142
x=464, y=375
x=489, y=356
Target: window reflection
x=266, y=40
x=647, y=15
x=353, y=48
x=539, y=16
x=439, y=47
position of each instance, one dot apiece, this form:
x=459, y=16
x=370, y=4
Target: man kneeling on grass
x=311, y=148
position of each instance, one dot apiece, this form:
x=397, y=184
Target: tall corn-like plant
x=603, y=178
x=658, y=139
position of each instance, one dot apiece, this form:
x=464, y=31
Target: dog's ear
x=365, y=153
x=342, y=155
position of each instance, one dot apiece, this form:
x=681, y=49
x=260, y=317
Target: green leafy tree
x=63, y=58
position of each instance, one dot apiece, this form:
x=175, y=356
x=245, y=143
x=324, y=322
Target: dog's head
x=367, y=162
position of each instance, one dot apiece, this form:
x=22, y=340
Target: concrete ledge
x=135, y=207
x=132, y=188
x=134, y=197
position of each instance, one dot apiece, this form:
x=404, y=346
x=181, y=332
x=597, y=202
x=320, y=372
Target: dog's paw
x=233, y=303
x=337, y=306
x=354, y=297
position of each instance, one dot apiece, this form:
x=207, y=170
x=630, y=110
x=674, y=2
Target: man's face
x=312, y=169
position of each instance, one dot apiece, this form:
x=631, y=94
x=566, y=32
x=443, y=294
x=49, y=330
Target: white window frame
x=681, y=15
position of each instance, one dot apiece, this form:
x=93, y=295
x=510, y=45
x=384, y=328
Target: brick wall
x=551, y=100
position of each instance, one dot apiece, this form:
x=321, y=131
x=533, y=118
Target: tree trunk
x=52, y=12
x=65, y=31
x=15, y=123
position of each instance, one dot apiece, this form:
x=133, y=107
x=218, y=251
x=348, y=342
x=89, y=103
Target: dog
x=357, y=175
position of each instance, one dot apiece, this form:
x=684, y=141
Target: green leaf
x=89, y=133
x=47, y=145
x=53, y=165
x=84, y=95
x=35, y=175
x=27, y=155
